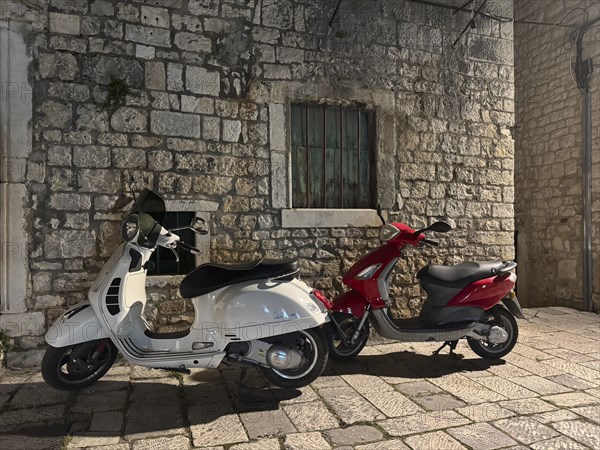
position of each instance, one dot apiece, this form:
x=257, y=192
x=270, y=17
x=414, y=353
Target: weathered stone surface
x=155, y=76
x=175, y=124
x=70, y=244
x=104, y=69
x=59, y=65
x=55, y=114
x=357, y=434
x=158, y=37
x=155, y=17
x=310, y=416
x=525, y=430
x=481, y=435
x=202, y=81
x=436, y=439
x=129, y=120
x=64, y=23
x=193, y=42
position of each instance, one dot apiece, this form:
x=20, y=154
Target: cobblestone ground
x=545, y=395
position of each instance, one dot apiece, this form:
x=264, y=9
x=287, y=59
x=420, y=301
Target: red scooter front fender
x=350, y=302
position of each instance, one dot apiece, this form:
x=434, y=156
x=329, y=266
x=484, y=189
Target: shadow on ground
x=37, y=416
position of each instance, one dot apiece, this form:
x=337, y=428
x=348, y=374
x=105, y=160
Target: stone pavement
x=545, y=395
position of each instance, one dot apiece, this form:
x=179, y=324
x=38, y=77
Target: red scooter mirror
x=439, y=227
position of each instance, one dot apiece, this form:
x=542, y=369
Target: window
x=164, y=259
x=332, y=154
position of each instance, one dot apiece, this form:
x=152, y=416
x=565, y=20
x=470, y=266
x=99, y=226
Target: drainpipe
x=583, y=70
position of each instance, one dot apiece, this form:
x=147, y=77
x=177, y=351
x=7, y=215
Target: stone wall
x=548, y=141
x=205, y=118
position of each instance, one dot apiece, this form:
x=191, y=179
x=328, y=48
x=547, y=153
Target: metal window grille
x=332, y=154
x=164, y=259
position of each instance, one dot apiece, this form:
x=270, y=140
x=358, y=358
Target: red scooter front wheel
x=503, y=318
x=345, y=351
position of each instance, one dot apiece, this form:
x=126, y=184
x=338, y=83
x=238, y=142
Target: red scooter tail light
x=322, y=298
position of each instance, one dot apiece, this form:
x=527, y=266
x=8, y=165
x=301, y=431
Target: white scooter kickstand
x=252, y=314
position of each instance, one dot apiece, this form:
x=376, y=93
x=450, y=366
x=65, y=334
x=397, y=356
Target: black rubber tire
x=504, y=318
x=341, y=352
x=54, y=360
x=274, y=377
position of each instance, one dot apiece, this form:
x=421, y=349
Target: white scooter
x=254, y=314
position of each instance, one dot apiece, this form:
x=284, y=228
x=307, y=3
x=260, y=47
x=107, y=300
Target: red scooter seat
x=460, y=275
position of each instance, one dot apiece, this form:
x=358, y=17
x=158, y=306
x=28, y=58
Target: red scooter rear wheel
x=503, y=318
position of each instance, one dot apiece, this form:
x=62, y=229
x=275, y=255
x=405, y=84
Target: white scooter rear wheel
x=75, y=367
x=311, y=345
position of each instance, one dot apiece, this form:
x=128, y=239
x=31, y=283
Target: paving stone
x=392, y=403
x=107, y=421
x=92, y=402
x=392, y=444
x=525, y=429
x=40, y=395
x=263, y=444
x=366, y=383
x=571, y=381
x=357, y=434
x=267, y=423
x=557, y=443
x=435, y=440
x=13, y=419
x=328, y=381
x=110, y=447
x=506, y=388
x=93, y=439
x=528, y=406
x=438, y=402
x=555, y=416
x=217, y=425
x=307, y=394
x=417, y=388
x=571, y=399
x=485, y=412
x=543, y=370
x=310, y=416
x=349, y=405
x=178, y=442
x=574, y=369
x=590, y=412
x=200, y=394
x=481, y=435
x=467, y=390
x=149, y=395
x=304, y=441
x=583, y=432
x=418, y=423
x=540, y=385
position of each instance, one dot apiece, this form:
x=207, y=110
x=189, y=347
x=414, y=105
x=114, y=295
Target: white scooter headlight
x=388, y=232
x=130, y=227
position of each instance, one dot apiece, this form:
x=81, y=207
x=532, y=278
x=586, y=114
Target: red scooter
x=463, y=301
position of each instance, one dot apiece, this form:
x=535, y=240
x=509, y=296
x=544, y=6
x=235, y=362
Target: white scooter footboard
x=78, y=324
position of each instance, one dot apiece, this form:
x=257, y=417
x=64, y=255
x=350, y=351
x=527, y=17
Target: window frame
x=341, y=111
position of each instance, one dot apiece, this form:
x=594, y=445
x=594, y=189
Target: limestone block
x=175, y=124
x=193, y=42
x=202, y=81
x=70, y=244
x=155, y=17
x=64, y=23
x=158, y=37
x=59, y=65
x=155, y=76
x=129, y=120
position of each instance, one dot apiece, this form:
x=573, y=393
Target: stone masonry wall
x=548, y=141
x=201, y=118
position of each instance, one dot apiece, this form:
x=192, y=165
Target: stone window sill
x=329, y=218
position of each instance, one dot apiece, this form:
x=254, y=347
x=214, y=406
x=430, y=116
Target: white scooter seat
x=210, y=277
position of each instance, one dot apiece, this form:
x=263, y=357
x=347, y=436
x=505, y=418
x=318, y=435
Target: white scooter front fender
x=79, y=324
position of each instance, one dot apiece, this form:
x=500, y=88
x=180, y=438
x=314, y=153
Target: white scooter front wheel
x=312, y=347
x=78, y=366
